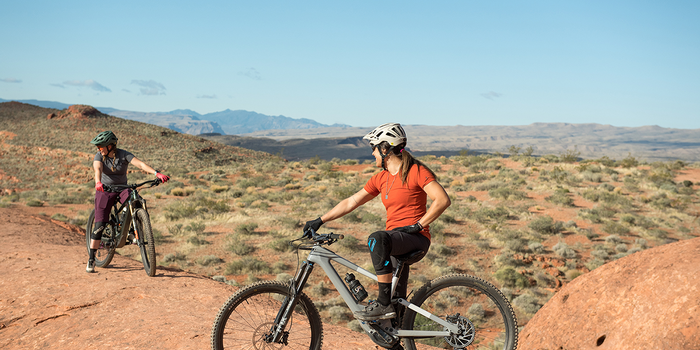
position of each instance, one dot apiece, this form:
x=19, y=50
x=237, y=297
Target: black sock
x=92, y=253
x=384, y=297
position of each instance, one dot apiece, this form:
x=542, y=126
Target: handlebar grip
x=334, y=236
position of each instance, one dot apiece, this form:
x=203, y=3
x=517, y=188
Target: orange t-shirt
x=405, y=203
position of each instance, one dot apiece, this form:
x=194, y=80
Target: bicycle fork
x=277, y=332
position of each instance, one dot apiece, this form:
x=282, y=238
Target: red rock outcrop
x=76, y=111
x=647, y=300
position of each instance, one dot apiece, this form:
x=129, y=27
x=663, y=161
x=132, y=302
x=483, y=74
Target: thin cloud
x=491, y=95
x=89, y=84
x=150, y=87
x=10, y=80
x=58, y=86
x=251, y=73
x=213, y=97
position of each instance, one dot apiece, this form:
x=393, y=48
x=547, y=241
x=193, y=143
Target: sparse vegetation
x=234, y=212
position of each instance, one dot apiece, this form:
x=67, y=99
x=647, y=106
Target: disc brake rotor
x=466, y=333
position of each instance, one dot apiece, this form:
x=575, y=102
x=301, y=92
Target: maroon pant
x=104, y=202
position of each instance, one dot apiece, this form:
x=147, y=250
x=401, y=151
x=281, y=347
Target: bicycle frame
x=323, y=257
x=132, y=203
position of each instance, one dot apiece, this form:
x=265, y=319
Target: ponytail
x=407, y=159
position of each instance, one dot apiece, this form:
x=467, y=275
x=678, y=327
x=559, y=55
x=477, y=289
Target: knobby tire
x=493, y=318
x=146, y=242
x=249, y=314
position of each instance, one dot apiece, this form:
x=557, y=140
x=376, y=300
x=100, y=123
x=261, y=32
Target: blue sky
x=625, y=63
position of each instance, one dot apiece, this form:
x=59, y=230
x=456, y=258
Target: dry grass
x=529, y=224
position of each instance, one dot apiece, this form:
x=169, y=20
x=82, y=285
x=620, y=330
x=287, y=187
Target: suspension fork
x=277, y=333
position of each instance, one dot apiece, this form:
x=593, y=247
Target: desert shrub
x=175, y=229
x=572, y=274
x=281, y=245
x=195, y=227
x=591, y=177
x=597, y=214
x=536, y=248
x=641, y=242
x=33, y=202
x=563, y=250
x=238, y=246
x=628, y=162
x=476, y=312
x=59, y=217
x=485, y=214
x=476, y=178
x=622, y=248
x=360, y=215
x=246, y=228
x=658, y=233
x=208, y=260
x=613, y=239
x=350, y=243
x=615, y=228
x=561, y=197
x=247, y=265
x=509, y=277
x=491, y=185
x=594, y=264
x=174, y=258
x=194, y=207
x=545, y=225
x=600, y=254
x=196, y=240
x=517, y=245
x=570, y=156
x=507, y=193
x=441, y=249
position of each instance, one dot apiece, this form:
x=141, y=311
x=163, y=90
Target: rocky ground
x=48, y=301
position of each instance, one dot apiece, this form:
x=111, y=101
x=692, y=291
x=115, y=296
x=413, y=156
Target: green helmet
x=104, y=138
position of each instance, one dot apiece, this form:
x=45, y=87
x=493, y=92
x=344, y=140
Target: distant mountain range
x=190, y=122
x=304, y=138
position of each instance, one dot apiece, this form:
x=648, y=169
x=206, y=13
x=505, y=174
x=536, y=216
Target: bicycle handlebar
x=117, y=188
x=327, y=238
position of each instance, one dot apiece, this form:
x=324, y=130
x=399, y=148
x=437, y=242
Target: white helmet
x=392, y=133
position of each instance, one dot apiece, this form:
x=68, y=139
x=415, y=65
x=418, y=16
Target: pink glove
x=98, y=187
x=162, y=177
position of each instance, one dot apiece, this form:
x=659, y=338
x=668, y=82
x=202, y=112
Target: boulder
x=646, y=300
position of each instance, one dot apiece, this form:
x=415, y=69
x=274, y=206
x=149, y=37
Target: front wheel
x=248, y=316
x=147, y=244
x=107, y=248
x=486, y=318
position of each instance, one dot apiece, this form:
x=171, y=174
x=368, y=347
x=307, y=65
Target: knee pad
x=380, y=250
x=97, y=233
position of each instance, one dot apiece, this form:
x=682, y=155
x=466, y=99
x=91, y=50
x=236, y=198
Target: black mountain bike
x=456, y=311
x=125, y=219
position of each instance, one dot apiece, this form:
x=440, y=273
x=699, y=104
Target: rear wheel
x=485, y=317
x=145, y=241
x=248, y=316
x=105, y=253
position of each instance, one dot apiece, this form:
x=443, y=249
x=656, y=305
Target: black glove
x=313, y=224
x=415, y=228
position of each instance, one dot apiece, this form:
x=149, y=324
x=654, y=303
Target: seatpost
x=395, y=277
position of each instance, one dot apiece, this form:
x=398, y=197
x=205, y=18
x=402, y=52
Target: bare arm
x=97, y=165
x=143, y=166
x=347, y=205
x=440, y=202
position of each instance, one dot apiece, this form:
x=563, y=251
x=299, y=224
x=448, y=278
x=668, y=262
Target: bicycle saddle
x=411, y=257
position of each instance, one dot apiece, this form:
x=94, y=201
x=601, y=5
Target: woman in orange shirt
x=404, y=185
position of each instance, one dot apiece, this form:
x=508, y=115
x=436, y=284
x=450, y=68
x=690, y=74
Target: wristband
x=155, y=172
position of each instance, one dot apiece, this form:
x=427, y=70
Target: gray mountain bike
x=128, y=218
x=455, y=311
